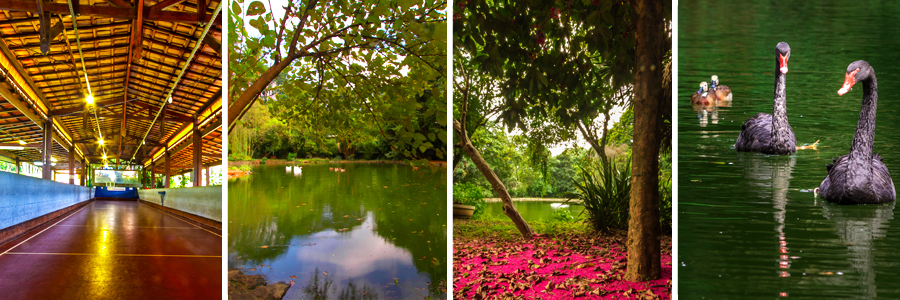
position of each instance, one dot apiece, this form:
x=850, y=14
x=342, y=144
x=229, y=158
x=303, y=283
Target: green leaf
x=542, y=78
x=256, y=8
x=235, y=8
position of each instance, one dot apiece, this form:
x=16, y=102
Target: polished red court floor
x=113, y=250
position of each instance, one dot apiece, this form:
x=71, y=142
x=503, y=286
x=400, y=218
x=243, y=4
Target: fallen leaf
x=264, y=247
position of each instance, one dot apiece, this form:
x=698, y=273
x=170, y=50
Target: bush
x=563, y=215
x=469, y=194
x=665, y=204
x=291, y=156
x=605, y=194
x=262, y=161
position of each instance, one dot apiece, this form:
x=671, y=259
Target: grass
x=503, y=228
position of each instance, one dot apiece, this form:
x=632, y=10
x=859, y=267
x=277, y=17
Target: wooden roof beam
x=111, y=12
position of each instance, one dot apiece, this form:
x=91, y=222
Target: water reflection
x=320, y=286
x=771, y=178
x=710, y=113
x=858, y=226
x=364, y=227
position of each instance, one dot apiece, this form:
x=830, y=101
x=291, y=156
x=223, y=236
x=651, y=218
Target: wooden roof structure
x=135, y=54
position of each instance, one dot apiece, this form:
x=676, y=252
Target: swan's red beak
x=849, y=81
x=783, y=63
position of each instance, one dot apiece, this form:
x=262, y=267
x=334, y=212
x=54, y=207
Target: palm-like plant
x=604, y=192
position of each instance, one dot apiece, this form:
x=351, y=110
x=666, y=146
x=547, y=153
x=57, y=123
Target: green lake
x=534, y=210
x=342, y=235
x=750, y=226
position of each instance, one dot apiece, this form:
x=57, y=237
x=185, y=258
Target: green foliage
x=357, y=70
x=470, y=194
x=563, y=215
x=291, y=156
x=605, y=193
x=622, y=131
x=550, y=177
x=665, y=194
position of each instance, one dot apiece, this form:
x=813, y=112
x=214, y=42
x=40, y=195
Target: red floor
x=113, y=250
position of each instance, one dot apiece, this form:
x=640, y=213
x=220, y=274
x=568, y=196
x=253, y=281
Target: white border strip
x=45, y=229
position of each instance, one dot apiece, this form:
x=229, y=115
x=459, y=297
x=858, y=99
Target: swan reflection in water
x=858, y=226
x=771, y=178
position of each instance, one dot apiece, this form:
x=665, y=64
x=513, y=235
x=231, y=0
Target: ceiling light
x=21, y=142
x=100, y=141
x=12, y=148
x=89, y=99
x=104, y=156
x=53, y=159
x=170, y=99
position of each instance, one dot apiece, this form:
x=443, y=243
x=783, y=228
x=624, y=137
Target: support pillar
x=47, y=149
x=83, y=171
x=18, y=165
x=207, y=175
x=72, y=164
x=152, y=175
x=197, y=146
x=166, y=169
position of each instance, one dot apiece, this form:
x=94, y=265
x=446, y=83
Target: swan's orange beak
x=783, y=63
x=849, y=81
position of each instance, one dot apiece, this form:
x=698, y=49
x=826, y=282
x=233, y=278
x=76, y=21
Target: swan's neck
x=780, y=124
x=864, y=141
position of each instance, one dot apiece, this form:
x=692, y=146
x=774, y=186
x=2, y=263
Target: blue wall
x=23, y=198
x=120, y=192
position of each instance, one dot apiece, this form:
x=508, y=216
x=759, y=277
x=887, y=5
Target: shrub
x=665, y=204
x=468, y=193
x=604, y=193
x=291, y=156
x=563, y=215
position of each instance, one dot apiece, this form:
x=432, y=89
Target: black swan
x=723, y=92
x=771, y=134
x=860, y=177
x=702, y=97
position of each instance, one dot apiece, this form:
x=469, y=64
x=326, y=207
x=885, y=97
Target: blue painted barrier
x=116, y=192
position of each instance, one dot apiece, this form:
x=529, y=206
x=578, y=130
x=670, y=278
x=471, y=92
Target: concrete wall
x=202, y=201
x=23, y=198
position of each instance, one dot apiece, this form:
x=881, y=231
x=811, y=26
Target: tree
x=564, y=62
x=643, y=222
x=463, y=89
x=343, y=66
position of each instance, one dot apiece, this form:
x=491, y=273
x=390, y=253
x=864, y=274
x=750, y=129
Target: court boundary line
x=182, y=219
x=116, y=254
x=45, y=229
x=141, y=227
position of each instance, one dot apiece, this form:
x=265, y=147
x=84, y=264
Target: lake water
x=533, y=210
x=749, y=226
x=342, y=235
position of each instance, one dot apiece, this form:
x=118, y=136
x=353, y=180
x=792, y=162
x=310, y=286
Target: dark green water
x=532, y=210
x=749, y=228
x=364, y=227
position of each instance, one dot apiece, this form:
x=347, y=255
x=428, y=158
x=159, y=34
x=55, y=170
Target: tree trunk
x=643, y=223
x=491, y=177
